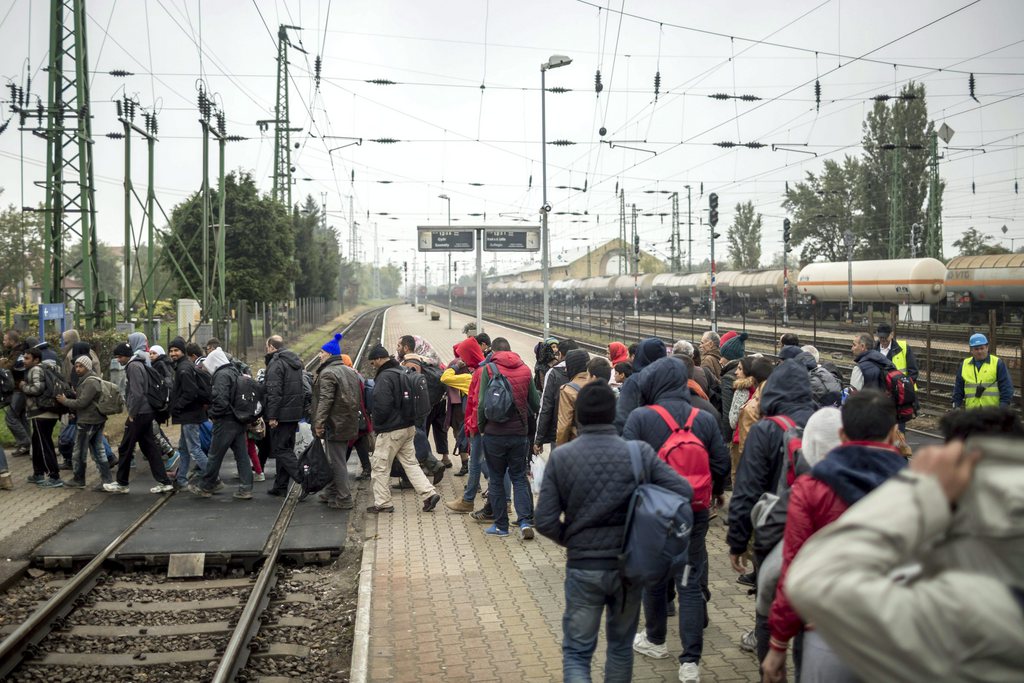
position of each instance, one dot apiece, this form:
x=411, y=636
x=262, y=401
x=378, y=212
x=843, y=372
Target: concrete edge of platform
x=12, y=572
x=359, y=667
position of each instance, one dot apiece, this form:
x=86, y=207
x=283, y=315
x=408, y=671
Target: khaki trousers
x=391, y=445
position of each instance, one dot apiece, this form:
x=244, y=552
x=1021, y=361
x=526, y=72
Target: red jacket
x=524, y=392
x=472, y=401
x=812, y=505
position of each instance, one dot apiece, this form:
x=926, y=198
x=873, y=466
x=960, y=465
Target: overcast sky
x=466, y=106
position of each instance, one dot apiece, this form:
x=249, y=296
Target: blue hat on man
x=333, y=347
x=978, y=340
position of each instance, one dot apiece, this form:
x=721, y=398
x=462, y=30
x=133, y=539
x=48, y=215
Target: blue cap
x=978, y=340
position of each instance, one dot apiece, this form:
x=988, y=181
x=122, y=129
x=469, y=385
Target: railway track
x=101, y=626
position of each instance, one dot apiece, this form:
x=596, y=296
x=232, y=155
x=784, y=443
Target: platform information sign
x=512, y=239
x=433, y=239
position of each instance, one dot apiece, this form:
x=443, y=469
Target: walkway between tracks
x=451, y=604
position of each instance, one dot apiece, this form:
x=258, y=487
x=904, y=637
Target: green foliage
x=744, y=237
x=823, y=208
x=21, y=250
x=317, y=253
x=259, y=243
x=976, y=243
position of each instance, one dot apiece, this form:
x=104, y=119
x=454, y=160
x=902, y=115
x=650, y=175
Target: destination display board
x=512, y=239
x=434, y=239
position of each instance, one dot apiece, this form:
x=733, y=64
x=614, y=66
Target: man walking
x=139, y=428
x=871, y=366
x=900, y=356
x=188, y=409
x=984, y=379
x=583, y=504
x=90, y=421
x=337, y=398
x=228, y=431
x=284, y=403
x=45, y=470
x=14, y=417
x=395, y=432
x=506, y=444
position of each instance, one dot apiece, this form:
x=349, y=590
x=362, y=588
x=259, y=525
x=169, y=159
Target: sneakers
x=495, y=531
x=363, y=476
x=526, y=531
x=483, y=515
x=242, y=495
x=380, y=509
x=259, y=476
x=50, y=484
x=114, y=487
x=347, y=504
x=162, y=488
x=278, y=493
x=461, y=506
x=647, y=648
x=66, y=465
x=463, y=471
x=746, y=579
x=431, y=502
x=748, y=641
x=35, y=478
x=219, y=486
x=74, y=484
x=195, y=490
x=689, y=672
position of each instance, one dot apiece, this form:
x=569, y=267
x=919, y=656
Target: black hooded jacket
x=786, y=392
x=547, y=418
x=873, y=366
x=647, y=351
x=186, y=408
x=664, y=382
x=283, y=382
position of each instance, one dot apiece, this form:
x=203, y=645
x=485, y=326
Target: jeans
x=189, y=450
x=508, y=454
x=44, y=456
x=478, y=466
x=16, y=421
x=139, y=430
x=692, y=606
x=89, y=439
x=228, y=433
x=282, y=445
x=588, y=593
x=421, y=445
x=3, y=459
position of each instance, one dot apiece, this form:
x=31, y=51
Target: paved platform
x=226, y=529
x=451, y=604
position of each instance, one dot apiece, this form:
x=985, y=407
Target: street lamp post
x=449, y=200
x=553, y=62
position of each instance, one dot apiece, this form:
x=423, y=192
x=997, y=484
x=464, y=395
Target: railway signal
x=713, y=221
x=713, y=206
x=785, y=270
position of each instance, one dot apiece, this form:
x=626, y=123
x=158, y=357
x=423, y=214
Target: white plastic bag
x=537, y=473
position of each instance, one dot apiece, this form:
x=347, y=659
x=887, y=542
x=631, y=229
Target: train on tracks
x=963, y=290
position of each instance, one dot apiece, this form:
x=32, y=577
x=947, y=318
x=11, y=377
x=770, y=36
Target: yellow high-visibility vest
x=984, y=378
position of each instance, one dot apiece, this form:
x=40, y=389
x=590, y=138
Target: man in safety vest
x=902, y=357
x=984, y=379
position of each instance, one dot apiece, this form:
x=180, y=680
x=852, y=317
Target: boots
x=446, y=461
x=6, y=483
x=465, y=466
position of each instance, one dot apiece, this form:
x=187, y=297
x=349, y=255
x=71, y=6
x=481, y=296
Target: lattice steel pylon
x=70, y=208
x=282, y=130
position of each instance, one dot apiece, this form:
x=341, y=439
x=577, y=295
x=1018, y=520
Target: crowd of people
x=867, y=561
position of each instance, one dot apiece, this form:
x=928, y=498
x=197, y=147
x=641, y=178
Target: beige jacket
x=750, y=413
x=958, y=621
x=566, y=429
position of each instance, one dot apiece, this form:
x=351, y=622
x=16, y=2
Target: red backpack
x=684, y=452
x=792, y=443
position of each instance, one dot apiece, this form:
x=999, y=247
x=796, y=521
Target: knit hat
x=122, y=349
x=726, y=337
x=378, y=351
x=788, y=352
x=346, y=360
x=821, y=434
x=734, y=347
x=158, y=350
x=177, y=343
x=576, y=362
x=85, y=362
x=333, y=347
x=595, y=403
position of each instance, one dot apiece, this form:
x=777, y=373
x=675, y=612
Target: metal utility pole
x=282, y=189
x=848, y=242
x=70, y=208
x=449, y=200
x=376, y=264
x=205, y=111
x=689, y=232
x=713, y=221
x=553, y=62
x=896, y=236
x=675, y=256
x=622, y=230
x=221, y=312
x=352, y=238
x=785, y=270
x=636, y=266
x=933, y=238
x=914, y=229
x=479, y=240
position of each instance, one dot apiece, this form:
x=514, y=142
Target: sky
x=465, y=107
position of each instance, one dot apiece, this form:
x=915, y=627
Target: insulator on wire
x=970, y=87
x=317, y=64
x=39, y=110
x=817, y=95
x=972, y=188
x=657, y=85
x=156, y=129
x=1016, y=188
x=120, y=111
x=598, y=85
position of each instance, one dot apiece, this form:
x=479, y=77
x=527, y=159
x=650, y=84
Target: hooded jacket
x=337, y=400
x=664, y=383
x=140, y=347
x=186, y=407
x=728, y=379
x=547, y=418
x=647, y=351
x=34, y=386
x=847, y=474
x=961, y=620
x=524, y=394
x=787, y=391
x=576, y=366
x=225, y=374
x=87, y=394
x=77, y=349
x=586, y=491
x=871, y=365
x=387, y=399
x=285, y=397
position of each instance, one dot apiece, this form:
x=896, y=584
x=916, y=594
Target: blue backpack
x=656, y=543
x=500, y=401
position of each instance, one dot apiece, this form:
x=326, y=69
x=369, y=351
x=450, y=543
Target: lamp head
x=555, y=61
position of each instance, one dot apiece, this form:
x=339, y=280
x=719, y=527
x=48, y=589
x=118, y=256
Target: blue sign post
x=51, y=312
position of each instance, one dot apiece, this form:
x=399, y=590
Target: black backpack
x=414, y=399
x=54, y=385
x=307, y=395
x=246, y=399
x=6, y=387
x=204, y=386
x=500, y=402
x=435, y=389
x=158, y=391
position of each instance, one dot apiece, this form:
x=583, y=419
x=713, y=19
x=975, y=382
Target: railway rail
x=135, y=620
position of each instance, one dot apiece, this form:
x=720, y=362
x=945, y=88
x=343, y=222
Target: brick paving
x=27, y=501
x=452, y=604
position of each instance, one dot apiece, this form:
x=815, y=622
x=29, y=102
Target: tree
x=898, y=132
x=21, y=252
x=317, y=253
x=976, y=243
x=744, y=237
x=823, y=208
x=110, y=276
x=259, y=242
